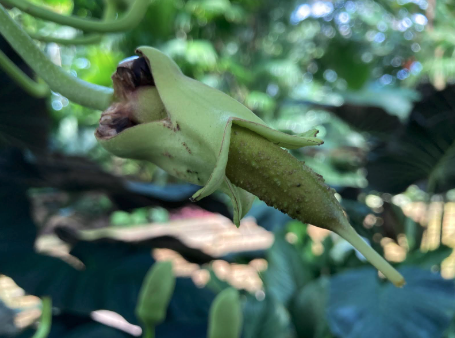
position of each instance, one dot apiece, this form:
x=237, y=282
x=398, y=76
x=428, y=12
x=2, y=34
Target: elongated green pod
x=154, y=296
x=225, y=318
x=205, y=137
x=282, y=181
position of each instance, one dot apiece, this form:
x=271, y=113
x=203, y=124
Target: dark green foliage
x=24, y=120
x=266, y=318
x=308, y=309
x=422, y=152
x=360, y=305
x=286, y=273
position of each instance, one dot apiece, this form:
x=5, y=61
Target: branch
x=76, y=90
x=31, y=87
x=132, y=17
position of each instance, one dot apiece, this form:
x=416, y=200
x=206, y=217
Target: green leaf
x=267, y=318
x=361, y=305
x=430, y=259
x=286, y=272
x=308, y=309
x=423, y=152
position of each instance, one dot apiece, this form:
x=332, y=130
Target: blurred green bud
x=155, y=294
x=225, y=319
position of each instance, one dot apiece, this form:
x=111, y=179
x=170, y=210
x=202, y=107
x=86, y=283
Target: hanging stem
x=31, y=87
x=76, y=90
x=132, y=17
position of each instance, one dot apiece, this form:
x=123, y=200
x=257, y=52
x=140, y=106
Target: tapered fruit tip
x=400, y=283
x=349, y=234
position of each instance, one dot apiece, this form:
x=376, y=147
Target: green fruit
x=280, y=180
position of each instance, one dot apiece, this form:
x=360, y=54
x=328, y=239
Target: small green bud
x=225, y=318
x=155, y=294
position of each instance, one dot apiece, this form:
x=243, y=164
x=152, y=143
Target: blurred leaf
x=7, y=325
x=208, y=9
x=360, y=305
x=450, y=333
x=78, y=174
x=112, y=274
x=103, y=64
x=66, y=325
x=347, y=63
x=157, y=26
x=110, y=236
x=215, y=284
x=267, y=217
x=430, y=259
x=267, y=318
x=88, y=8
x=286, y=272
x=286, y=72
x=367, y=118
x=396, y=222
x=201, y=53
x=423, y=152
x=394, y=101
x=261, y=102
x=308, y=309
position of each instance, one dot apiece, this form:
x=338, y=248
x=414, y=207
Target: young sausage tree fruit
x=205, y=137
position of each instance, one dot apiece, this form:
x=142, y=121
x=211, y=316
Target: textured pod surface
x=282, y=181
x=226, y=315
x=155, y=294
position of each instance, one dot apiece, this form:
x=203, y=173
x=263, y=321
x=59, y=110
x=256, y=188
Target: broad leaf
x=308, y=309
x=286, y=272
x=361, y=305
x=424, y=152
x=267, y=318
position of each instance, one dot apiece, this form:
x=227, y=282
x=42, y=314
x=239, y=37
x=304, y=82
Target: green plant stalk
x=74, y=89
x=148, y=332
x=33, y=88
x=280, y=180
x=109, y=13
x=132, y=17
x=46, y=319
